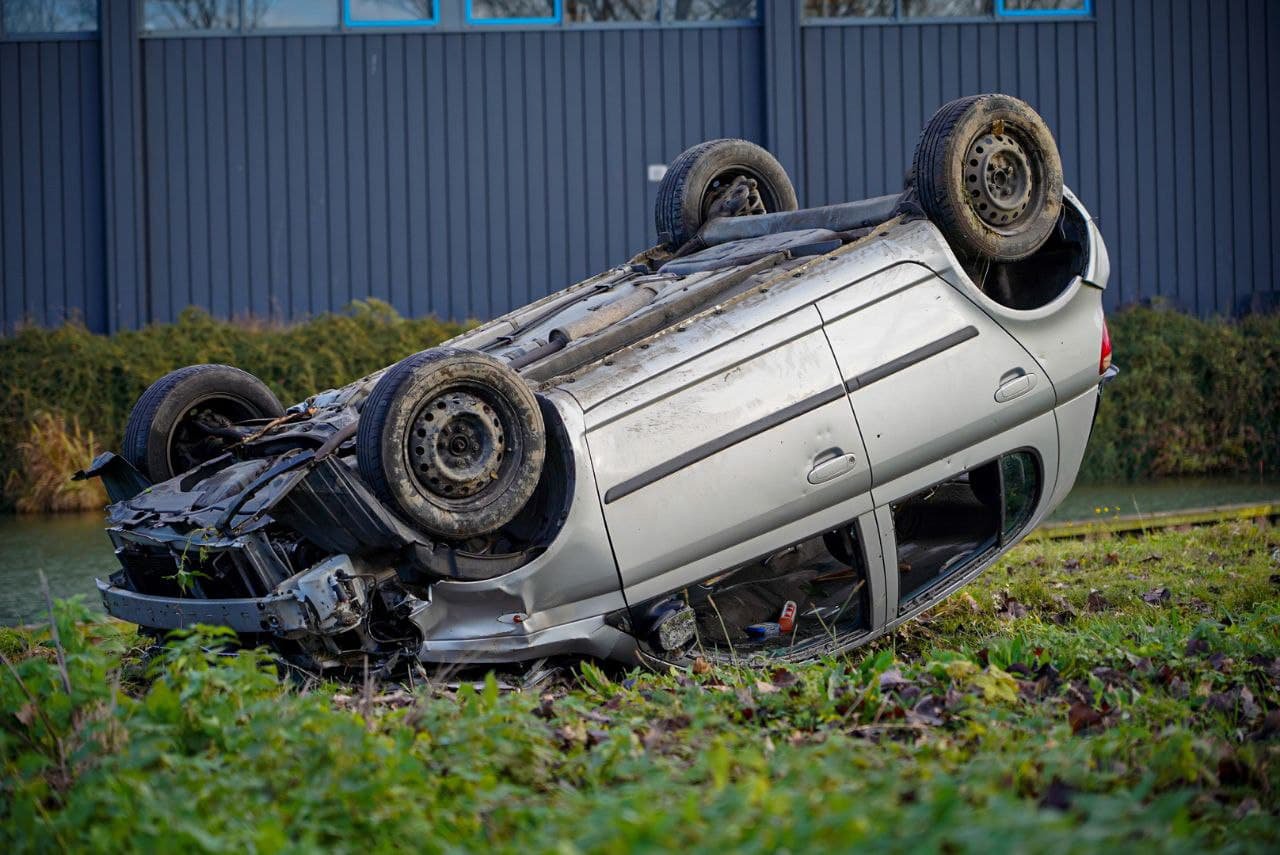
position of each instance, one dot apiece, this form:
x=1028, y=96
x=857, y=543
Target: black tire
x=161, y=439
x=454, y=439
x=699, y=176
x=988, y=174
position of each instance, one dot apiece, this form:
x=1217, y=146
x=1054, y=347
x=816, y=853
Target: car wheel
x=172, y=427
x=988, y=174
x=454, y=439
x=719, y=178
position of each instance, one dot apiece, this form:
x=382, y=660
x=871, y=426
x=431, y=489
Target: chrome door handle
x=833, y=468
x=1015, y=388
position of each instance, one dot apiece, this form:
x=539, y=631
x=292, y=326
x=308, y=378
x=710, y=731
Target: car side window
x=812, y=592
x=1020, y=476
x=945, y=528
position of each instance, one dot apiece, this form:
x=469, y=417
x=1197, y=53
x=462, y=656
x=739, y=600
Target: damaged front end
x=291, y=547
x=280, y=539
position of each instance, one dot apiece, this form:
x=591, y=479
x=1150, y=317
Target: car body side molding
x=920, y=354
x=720, y=443
x=799, y=408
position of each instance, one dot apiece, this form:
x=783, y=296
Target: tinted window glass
x=287, y=14
x=709, y=10
x=611, y=10
x=520, y=10
x=945, y=8
x=50, y=16
x=191, y=15
x=1021, y=490
x=848, y=8
x=390, y=11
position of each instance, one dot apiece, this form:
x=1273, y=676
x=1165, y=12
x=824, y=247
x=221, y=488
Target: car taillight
x=1104, y=361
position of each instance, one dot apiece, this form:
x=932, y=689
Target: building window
x=848, y=8
x=389, y=13
x=944, y=8
x=915, y=10
x=513, y=11
x=179, y=15
x=1040, y=8
x=709, y=10
x=46, y=17
x=604, y=11
x=289, y=15
x=659, y=11
x=235, y=16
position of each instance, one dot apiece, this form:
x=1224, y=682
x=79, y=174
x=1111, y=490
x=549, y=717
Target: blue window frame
x=1044, y=8
x=390, y=13
x=513, y=12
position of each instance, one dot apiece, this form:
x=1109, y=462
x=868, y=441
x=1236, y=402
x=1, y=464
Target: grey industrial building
x=280, y=158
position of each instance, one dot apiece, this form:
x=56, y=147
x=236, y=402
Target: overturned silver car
x=778, y=434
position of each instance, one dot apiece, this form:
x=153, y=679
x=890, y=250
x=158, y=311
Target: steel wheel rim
x=462, y=442
x=1000, y=180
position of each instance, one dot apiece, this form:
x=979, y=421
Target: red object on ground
x=787, y=620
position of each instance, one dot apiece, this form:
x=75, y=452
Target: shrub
x=1193, y=397
x=70, y=372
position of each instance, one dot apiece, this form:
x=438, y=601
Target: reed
x=52, y=450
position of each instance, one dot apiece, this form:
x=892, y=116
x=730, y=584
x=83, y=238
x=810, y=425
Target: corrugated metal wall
x=464, y=173
x=51, y=248
x=1162, y=110
x=461, y=174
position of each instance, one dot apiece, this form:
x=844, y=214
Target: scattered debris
x=1008, y=608
x=1157, y=596
x=761, y=631
x=787, y=619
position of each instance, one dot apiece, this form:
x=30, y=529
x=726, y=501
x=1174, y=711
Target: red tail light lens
x=1104, y=361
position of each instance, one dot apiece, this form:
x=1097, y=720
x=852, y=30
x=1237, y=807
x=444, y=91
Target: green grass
x=1050, y=707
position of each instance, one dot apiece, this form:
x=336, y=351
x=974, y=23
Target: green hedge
x=72, y=372
x=1193, y=398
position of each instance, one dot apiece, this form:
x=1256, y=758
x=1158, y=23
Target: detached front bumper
x=329, y=598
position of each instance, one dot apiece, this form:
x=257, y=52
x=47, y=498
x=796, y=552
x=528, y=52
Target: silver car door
x=931, y=378
x=744, y=447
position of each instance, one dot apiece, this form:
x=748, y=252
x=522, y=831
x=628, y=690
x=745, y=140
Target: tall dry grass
x=51, y=452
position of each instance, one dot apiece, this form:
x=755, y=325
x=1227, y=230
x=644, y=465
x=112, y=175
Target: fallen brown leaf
x=1082, y=717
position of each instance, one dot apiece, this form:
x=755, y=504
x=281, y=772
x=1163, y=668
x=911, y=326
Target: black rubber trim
x=920, y=354
x=720, y=443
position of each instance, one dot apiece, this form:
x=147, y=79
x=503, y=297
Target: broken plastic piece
x=761, y=631
x=787, y=620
